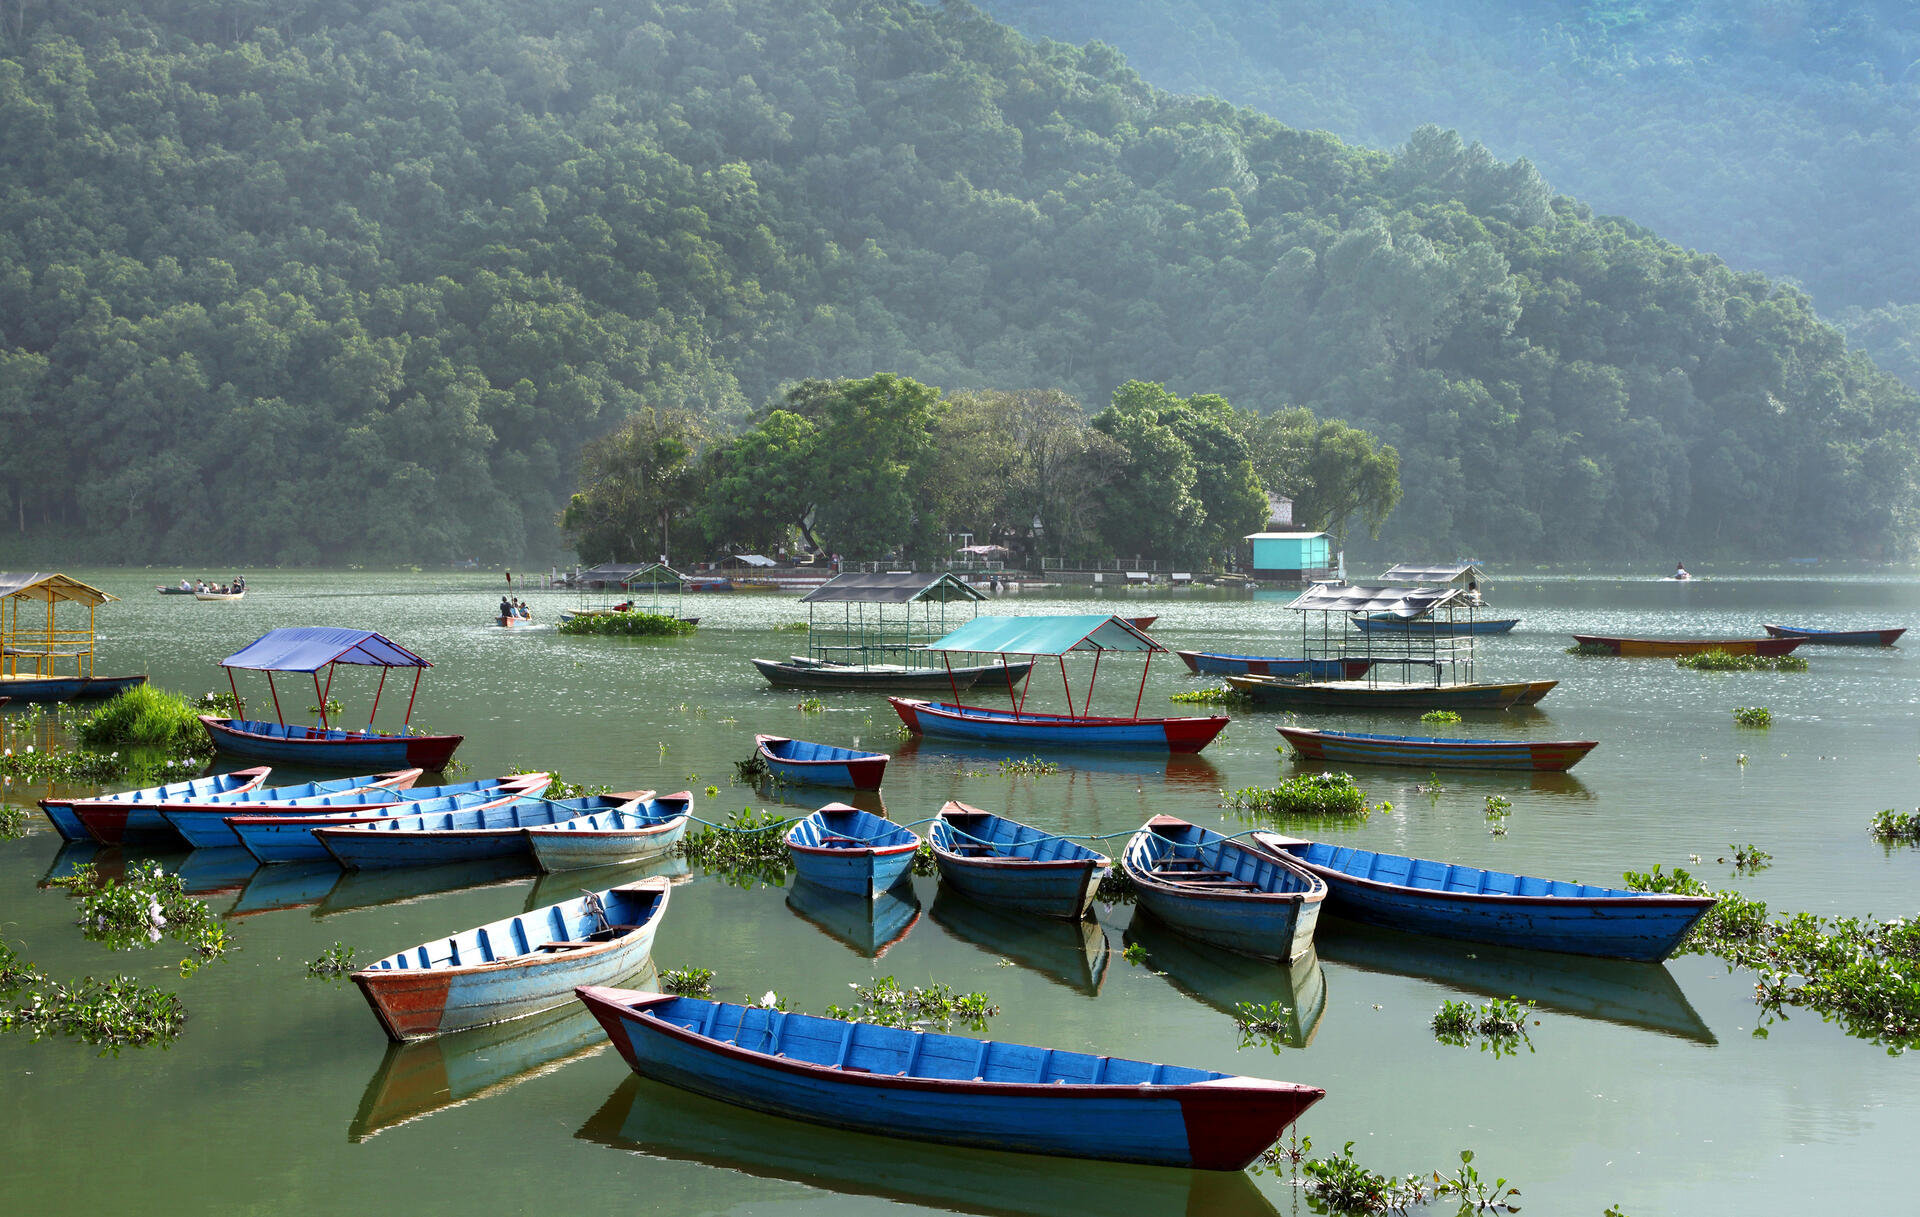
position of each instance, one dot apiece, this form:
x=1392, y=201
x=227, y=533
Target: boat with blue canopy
x=933, y=1086
x=849, y=850
x=809, y=764
x=280, y=835
x=517, y=966
x=68, y=825
x=1011, y=865
x=113, y=823
x=631, y=832
x=1057, y=637
x=1223, y=890
x=1450, y=900
x=33, y=649
x=498, y=831
x=309, y=649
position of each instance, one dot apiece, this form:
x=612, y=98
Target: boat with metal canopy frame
x=308, y=649
x=1034, y=637
x=1463, y=574
x=876, y=642
x=31, y=654
x=653, y=578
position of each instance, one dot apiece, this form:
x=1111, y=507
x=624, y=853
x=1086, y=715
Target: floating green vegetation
x=810, y=705
x=1224, y=695
x=1721, y=661
x=135, y=911
x=1500, y=1025
x=1896, y=827
x=334, y=708
x=1748, y=859
x=790, y=627
x=923, y=860
x=1303, y=794
x=902, y=732
x=748, y=850
x=560, y=788
x=1134, y=954
x=752, y=770
x=1753, y=716
x=1264, y=1023
x=1440, y=716
x=110, y=1013
x=629, y=624
x=1498, y=809
x=1589, y=650
x=146, y=716
x=1344, y=1185
x=1028, y=766
x=687, y=982
x=13, y=822
x=60, y=765
x=884, y=1002
x=225, y=704
x=334, y=962
x=1117, y=887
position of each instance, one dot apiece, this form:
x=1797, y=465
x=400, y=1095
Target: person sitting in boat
x=1680, y=571
x=506, y=607
x=526, y=614
x=1473, y=591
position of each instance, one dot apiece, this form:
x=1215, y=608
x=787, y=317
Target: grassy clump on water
x=1224, y=695
x=1304, y=794
x=1894, y=827
x=145, y=716
x=750, y=849
x=626, y=624
x=1721, y=661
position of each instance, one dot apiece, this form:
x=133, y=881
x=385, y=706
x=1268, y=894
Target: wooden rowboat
x=1008, y=864
x=26, y=687
x=1364, y=695
x=932, y=1086
x=218, y=595
x=1672, y=648
x=1428, y=627
x=68, y=825
x=1211, y=663
x=849, y=850
x=809, y=764
x=1029, y=729
x=1448, y=900
x=632, y=832
x=114, y=823
x=329, y=747
x=1422, y=751
x=497, y=831
x=799, y=672
x=515, y=967
x=1838, y=638
x=1224, y=891
x=286, y=835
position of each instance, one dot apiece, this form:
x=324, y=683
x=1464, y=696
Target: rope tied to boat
x=597, y=910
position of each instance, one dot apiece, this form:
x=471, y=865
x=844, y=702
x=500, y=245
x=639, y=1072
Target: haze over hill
x=355, y=281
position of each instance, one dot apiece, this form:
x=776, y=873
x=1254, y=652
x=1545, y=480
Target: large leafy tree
x=1331, y=471
x=635, y=482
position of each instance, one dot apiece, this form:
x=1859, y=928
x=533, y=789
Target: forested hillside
x=339, y=280
x=1783, y=135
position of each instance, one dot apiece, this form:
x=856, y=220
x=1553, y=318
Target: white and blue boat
x=931, y=1086
x=1011, y=865
x=286, y=834
x=498, y=831
x=632, y=832
x=116, y=823
x=810, y=764
x=1224, y=891
x=849, y=850
x=68, y=825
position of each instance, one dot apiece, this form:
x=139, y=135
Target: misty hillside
x=355, y=281
x=1782, y=135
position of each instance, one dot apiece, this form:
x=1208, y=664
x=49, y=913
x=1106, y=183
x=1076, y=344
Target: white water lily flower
x=770, y=998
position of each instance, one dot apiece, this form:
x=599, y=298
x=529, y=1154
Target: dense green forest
x=1780, y=134
x=349, y=280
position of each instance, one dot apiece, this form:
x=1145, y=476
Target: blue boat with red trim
x=1008, y=864
x=497, y=831
x=809, y=764
x=1211, y=663
x=115, y=823
x=953, y=1089
x=632, y=832
x=849, y=850
x=1839, y=638
x=1223, y=890
x=286, y=834
x=308, y=649
x=517, y=966
x=1419, y=751
x=68, y=825
x=1449, y=900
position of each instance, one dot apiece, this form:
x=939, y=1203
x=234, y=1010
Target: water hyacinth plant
x=1440, y=716
x=334, y=962
x=1721, y=661
x=687, y=982
x=1896, y=827
x=749, y=849
x=627, y=624
x=884, y=1002
x=1303, y=794
x=137, y=910
x=1224, y=695
x=1500, y=1025
x=1753, y=716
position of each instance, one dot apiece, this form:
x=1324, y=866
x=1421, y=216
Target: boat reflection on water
x=1224, y=979
x=1072, y=953
x=108, y=861
x=1180, y=770
x=868, y=928
x=567, y=885
x=1642, y=995
x=210, y=872
x=658, y=1121
x=420, y=1077
x=359, y=889
x=286, y=885
x=1492, y=781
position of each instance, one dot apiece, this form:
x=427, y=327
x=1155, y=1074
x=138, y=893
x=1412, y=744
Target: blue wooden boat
x=1364, y=695
x=328, y=747
x=635, y=832
x=1448, y=900
x=1224, y=891
x=286, y=834
x=517, y=966
x=1031, y=729
x=459, y=836
x=25, y=688
x=1839, y=638
x=849, y=850
x=808, y=764
x=1210, y=663
x=1427, y=627
x=1008, y=864
x=112, y=823
x=68, y=825
x=1426, y=751
x=932, y=1086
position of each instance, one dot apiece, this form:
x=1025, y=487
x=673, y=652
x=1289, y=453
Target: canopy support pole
x=326, y=695
x=1024, y=686
x=1068, y=687
x=236, y=692
x=376, y=696
x=277, y=715
x=416, y=692
x=1086, y=707
x=1144, y=668
x=953, y=681
x=322, y=697
x=1012, y=700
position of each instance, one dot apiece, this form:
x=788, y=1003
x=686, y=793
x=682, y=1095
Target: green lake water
x=1646, y=1086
